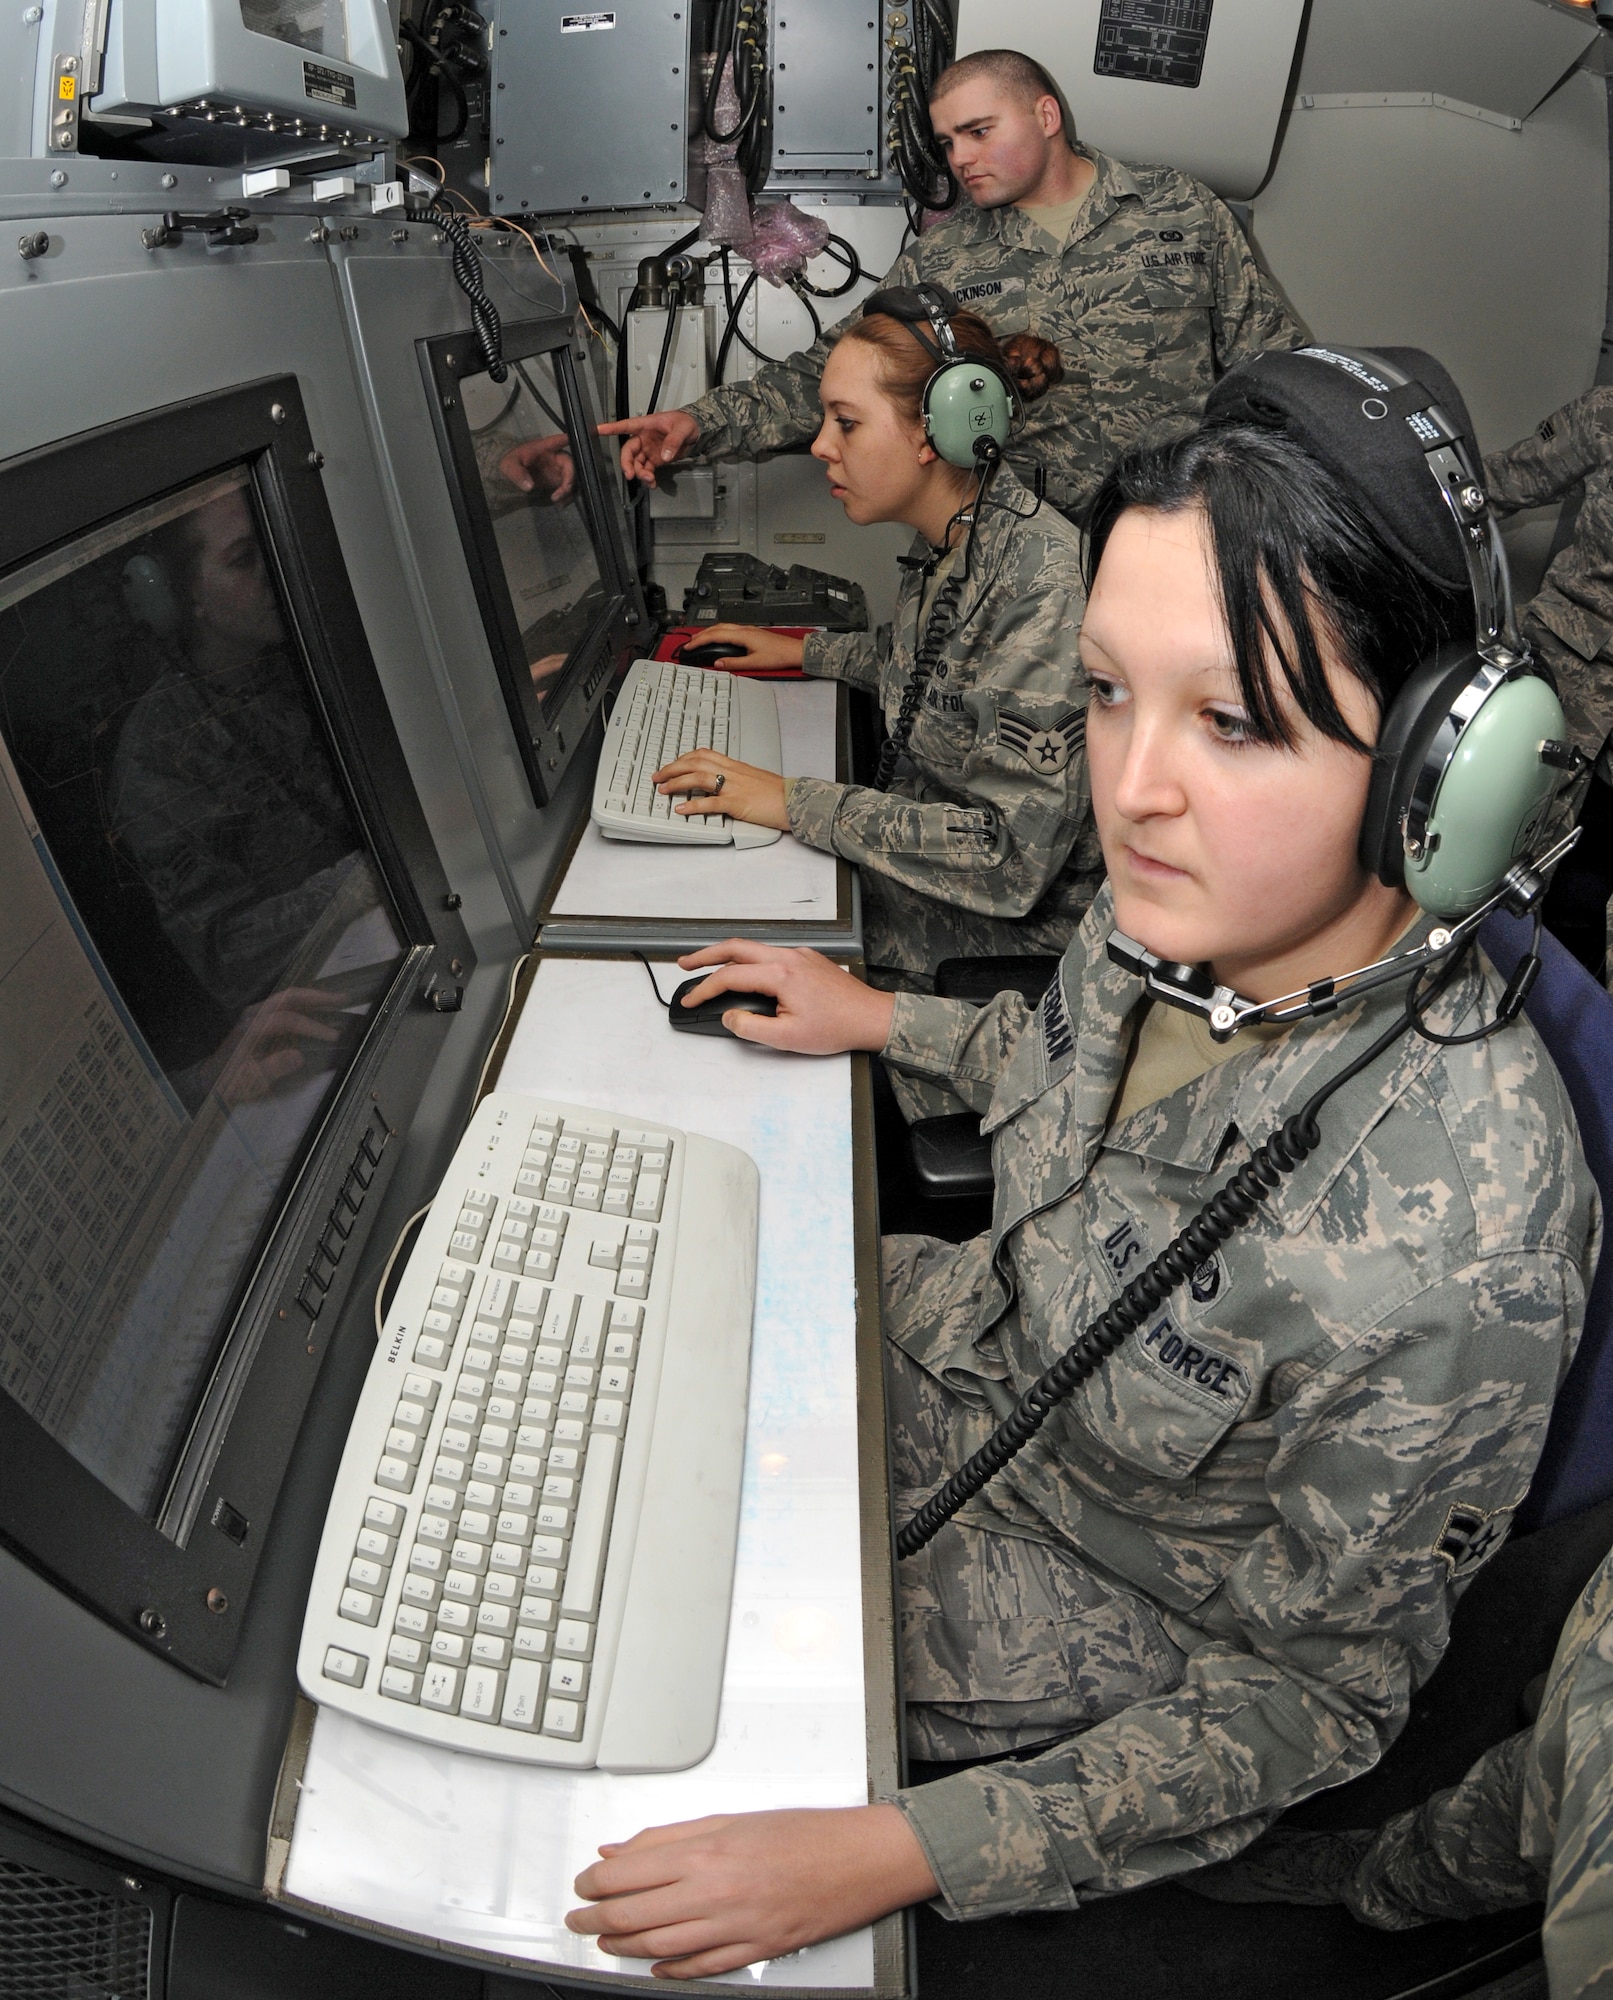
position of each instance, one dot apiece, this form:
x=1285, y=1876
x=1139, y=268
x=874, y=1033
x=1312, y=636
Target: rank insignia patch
x=1043, y=749
x=1469, y=1537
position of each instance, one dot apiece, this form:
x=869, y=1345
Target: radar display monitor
x=537, y=499
x=209, y=972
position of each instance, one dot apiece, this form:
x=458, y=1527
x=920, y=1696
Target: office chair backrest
x=1574, y=1018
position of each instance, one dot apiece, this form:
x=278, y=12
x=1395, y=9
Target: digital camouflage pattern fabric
x=1155, y=293
x=1287, y=1474
x=984, y=842
x=1531, y=1822
x=1570, y=621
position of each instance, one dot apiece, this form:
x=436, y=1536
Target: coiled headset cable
x=938, y=628
x=1230, y=1209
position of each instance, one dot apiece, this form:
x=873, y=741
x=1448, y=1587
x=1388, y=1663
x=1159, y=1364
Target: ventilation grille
x=60, y=1941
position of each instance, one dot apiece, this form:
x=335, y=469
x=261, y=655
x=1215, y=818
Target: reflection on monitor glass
x=529, y=480
x=195, y=940
x=317, y=25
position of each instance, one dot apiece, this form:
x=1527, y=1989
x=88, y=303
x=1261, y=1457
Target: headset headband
x=1461, y=487
x=926, y=311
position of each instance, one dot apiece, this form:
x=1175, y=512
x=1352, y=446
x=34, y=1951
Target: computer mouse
x=706, y=1019
x=709, y=654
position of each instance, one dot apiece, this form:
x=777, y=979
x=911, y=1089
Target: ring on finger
x=717, y=783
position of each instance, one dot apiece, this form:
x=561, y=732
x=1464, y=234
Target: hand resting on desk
x=715, y=1894
x=822, y=1009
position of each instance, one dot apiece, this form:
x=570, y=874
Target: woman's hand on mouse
x=761, y=647
x=822, y=1009
x=746, y=793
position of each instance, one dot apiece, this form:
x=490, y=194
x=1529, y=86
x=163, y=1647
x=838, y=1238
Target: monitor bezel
x=547, y=735
x=180, y=1586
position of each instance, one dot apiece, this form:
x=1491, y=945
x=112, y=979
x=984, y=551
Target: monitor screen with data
x=538, y=500
x=197, y=937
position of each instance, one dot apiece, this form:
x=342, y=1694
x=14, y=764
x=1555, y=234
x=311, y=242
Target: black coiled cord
x=468, y=274
x=937, y=630
x=1227, y=1210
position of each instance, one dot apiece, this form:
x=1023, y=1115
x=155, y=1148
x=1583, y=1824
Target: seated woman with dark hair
x=1212, y=1581
x=976, y=837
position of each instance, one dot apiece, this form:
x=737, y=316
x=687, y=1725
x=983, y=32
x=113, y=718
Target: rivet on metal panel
x=277, y=413
x=58, y=179
x=316, y=459
x=168, y=180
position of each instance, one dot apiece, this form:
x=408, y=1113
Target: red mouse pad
x=672, y=645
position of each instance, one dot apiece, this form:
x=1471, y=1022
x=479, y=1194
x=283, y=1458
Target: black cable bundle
x=919, y=161
x=447, y=49
x=1228, y=1210
x=739, y=29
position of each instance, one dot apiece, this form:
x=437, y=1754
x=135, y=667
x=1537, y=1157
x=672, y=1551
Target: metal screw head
x=400, y=236
x=452, y=900
x=217, y=1602
x=1223, y=1019
x=277, y=413
x=1472, y=499
x=33, y=14
x=1438, y=939
x=58, y=179
x=152, y=1623
x=316, y=459
x=168, y=180
x=33, y=244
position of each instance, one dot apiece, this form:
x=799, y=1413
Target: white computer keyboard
x=662, y=711
x=530, y=1548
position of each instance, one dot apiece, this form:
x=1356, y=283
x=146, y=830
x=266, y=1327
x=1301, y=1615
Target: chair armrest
x=951, y=1157
x=979, y=980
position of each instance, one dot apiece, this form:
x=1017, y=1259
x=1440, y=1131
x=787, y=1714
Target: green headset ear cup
x=1491, y=800
x=1404, y=735
x=964, y=402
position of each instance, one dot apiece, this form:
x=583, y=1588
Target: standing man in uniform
x=1138, y=276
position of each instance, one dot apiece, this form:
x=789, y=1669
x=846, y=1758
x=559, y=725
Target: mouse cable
x=650, y=969
x=1231, y=1208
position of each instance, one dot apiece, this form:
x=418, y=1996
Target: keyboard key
x=498, y=1618
x=440, y=1688
x=452, y=1272
x=618, y=1201
x=593, y=1524
x=396, y=1473
x=448, y=1471
x=411, y=1415
x=479, y=1198
x=559, y=1486
x=565, y=1458
x=348, y=1668
x=609, y=1414
x=506, y=1257
x=366, y=1575
x=403, y=1444
x=504, y=1558
x=539, y=1264
x=403, y=1651
x=452, y=1617
x=536, y=1611
x=483, y=1693
x=530, y=1643
x=420, y=1591
x=523, y=1692
x=613, y=1381
x=634, y=1284
x=430, y=1351
x=466, y=1241
x=562, y=1718
x=463, y=1586
x=382, y=1514
x=398, y=1684
x=359, y=1606
x=625, y=1317
x=413, y=1620
x=569, y=1677
x=502, y=1586
x=449, y=1646
x=553, y=1517
x=573, y=1638
x=488, y=1651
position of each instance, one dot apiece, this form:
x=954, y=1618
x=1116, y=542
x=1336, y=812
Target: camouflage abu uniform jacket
x=990, y=821
x=1575, y=603
x=1302, y=1456
x=1154, y=295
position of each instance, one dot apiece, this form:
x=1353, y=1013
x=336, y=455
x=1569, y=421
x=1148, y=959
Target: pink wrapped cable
x=728, y=212
x=785, y=241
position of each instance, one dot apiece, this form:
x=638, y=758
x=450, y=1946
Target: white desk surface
x=784, y=883
x=480, y=1853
